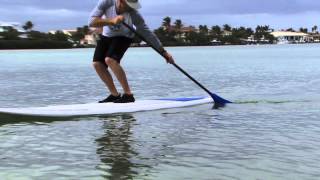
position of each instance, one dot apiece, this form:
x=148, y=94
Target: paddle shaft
x=162, y=54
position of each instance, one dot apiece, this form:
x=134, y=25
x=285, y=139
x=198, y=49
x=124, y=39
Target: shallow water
x=271, y=132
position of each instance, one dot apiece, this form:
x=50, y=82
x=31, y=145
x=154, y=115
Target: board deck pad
x=106, y=108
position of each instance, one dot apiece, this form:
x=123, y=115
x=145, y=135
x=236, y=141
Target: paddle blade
x=219, y=101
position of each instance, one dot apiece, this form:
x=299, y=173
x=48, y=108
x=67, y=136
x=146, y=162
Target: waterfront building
x=226, y=33
x=315, y=37
x=215, y=42
x=288, y=37
x=89, y=39
x=250, y=40
x=68, y=32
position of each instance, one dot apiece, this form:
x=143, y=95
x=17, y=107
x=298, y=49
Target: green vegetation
x=177, y=35
x=171, y=33
x=80, y=33
x=9, y=33
x=28, y=26
x=11, y=38
x=34, y=44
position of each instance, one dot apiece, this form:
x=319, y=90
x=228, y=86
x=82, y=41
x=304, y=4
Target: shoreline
x=229, y=45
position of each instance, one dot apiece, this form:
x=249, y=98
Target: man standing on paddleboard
x=115, y=40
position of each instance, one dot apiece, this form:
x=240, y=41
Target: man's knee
x=111, y=62
x=97, y=64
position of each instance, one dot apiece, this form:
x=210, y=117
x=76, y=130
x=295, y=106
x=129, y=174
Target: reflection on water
x=12, y=119
x=191, y=143
x=114, y=148
x=271, y=132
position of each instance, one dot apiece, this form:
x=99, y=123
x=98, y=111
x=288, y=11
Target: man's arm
x=96, y=19
x=100, y=22
x=145, y=31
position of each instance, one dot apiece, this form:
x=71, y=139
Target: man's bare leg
x=105, y=76
x=119, y=73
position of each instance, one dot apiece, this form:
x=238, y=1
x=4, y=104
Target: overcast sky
x=68, y=14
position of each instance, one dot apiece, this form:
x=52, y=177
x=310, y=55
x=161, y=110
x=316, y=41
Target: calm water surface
x=271, y=132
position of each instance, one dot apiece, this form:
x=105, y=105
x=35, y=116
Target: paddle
x=218, y=101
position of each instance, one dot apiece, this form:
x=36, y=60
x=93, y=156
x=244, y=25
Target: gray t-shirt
x=107, y=8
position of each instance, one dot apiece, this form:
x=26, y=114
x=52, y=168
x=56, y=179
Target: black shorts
x=112, y=47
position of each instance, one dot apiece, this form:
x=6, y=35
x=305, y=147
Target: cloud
x=185, y=7
x=52, y=4
x=45, y=19
x=280, y=14
x=60, y=14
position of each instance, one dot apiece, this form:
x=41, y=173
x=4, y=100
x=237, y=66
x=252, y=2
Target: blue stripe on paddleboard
x=183, y=99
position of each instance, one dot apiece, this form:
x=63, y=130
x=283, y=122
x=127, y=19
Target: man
x=115, y=40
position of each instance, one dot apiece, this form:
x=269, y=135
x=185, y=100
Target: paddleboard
x=106, y=108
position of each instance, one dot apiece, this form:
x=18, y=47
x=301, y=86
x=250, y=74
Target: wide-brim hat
x=134, y=4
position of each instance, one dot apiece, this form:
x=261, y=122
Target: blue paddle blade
x=219, y=101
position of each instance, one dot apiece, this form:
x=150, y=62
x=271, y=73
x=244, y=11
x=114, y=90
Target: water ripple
x=271, y=132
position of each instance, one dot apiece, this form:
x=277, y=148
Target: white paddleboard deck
x=106, y=108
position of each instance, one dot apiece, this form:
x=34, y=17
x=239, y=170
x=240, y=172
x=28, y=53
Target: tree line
x=11, y=38
x=170, y=33
x=175, y=33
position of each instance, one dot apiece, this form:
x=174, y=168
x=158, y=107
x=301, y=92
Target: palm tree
x=81, y=33
x=178, y=24
x=86, y=30
x=178, y=27
x=10, y=34
x=290, y=30
x=215, y=30
x=28, y=26
x=314, y=28
x=203, y=29
x=304, y=30
x=226, y=27
x=166, y=22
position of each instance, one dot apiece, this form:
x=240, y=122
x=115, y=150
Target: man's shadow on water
x=115, y=148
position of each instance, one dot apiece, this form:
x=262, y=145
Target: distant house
x=185, y=30
x=315, y=37
x=263, y=40
x=92, y=37
x=188, y=29
x=2, y=28
x=143, y=44
x=66, y=32
x=249, y=40
x=89, y=39
x=5, y=26
x=69, y=32
x=288, y=37
x=226, y=33
x=215, y=42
